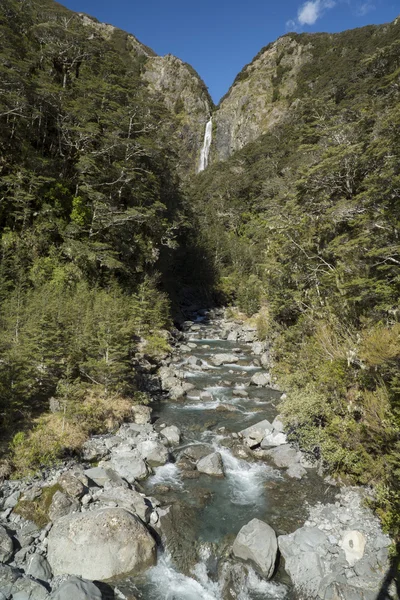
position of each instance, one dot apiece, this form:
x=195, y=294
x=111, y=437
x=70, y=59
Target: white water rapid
x=205, y=151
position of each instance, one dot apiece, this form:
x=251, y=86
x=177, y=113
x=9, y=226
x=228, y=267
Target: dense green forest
x=91, y=221
x=304, y=225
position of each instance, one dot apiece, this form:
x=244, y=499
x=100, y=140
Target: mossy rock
x=38, y=510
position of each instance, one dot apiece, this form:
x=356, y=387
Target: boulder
x=261, y=379
x=71, y=485
x=296, y=471
x=257, y=543
x=62, y=505
x=6, y=545
x=155, y=453
x=100, y=476
x=38, y=567
x=94, y=449
x=265, y=360
x=75, y=588
x=196, y=451
x=211, y=465
x=25, y=588
x=129, y=467
x=254, y=434
x=257, y=348
x=100, y=544
x=275, y=438
x=278, y=425
x=306, y=571
x=129, y=499
x=172, y=434
x=141, y=414
x=240, y=393
x=223, y=359
x=353, y=543
x=284, y=456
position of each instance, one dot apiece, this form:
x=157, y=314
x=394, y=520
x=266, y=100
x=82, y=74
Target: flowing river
x=211, y=511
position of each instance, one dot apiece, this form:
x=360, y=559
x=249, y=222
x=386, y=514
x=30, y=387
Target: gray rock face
x=62, y=505
x=129, y=467
x=172, y=434
x=38, y=567
x=257, y=543
x=100, y=545
x=6, y=545
x=75, y=588
x=211, y=465
x=223, y=359
x=261, y=379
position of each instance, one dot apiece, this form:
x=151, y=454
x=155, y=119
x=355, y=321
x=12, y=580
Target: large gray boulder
x=6, y=545
x=154, y=452
x=211, y=465
x=223, y=359
x=261, y=379
x=254, y=434
x=75, y=588
x=257, y=543
x=129, y=467
x=172, y=434
x=100, y=544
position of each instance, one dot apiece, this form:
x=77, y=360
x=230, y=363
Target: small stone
x=353, y=543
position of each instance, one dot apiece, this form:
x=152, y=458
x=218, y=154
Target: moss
x=38, y=510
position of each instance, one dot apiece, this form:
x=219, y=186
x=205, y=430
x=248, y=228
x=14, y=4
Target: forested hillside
x=91, y=218
x=304, y=224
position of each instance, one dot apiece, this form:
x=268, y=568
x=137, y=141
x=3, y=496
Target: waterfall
x=205, y=151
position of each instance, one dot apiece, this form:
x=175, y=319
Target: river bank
x=189, y=477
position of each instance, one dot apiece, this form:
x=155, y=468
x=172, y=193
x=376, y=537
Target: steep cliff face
x=260, y=96
x=293, y=69
x=186, y=97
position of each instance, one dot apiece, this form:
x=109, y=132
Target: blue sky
x=218, y=37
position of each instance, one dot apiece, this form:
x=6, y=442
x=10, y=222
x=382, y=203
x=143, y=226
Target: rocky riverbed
x=200, y=498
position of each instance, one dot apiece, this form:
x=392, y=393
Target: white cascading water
x=205, y=151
